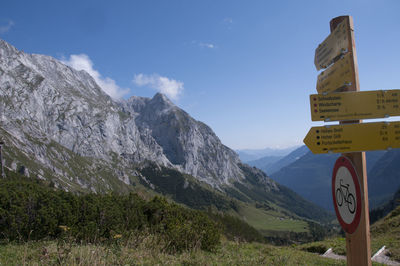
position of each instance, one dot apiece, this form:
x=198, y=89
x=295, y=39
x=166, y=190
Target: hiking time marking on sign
x=355, y=105
x=346, y=138
x=346, y=194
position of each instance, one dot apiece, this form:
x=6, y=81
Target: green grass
x=385, y=232
x=146, y=249
x=145, y=252
x=267, y=221
x=338, y=244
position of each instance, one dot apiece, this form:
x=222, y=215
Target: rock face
x=46, y=103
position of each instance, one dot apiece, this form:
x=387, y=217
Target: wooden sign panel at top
x=332, y=46
x=354, y=105
x=337, y=76
x=346, y=138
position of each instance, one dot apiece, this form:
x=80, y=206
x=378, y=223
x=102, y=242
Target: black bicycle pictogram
x=343, y=194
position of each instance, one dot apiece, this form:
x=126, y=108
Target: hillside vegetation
x=385, y=232
x=44, y=225
x=33, y=210
x=148, y=253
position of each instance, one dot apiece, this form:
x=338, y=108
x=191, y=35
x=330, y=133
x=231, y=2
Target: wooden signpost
x=338, y=53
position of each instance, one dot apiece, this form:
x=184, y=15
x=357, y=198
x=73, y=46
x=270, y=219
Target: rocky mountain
x=59, y=125
x=44, y=99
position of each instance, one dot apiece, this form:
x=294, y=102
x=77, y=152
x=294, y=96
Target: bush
x=31, y=210
x=183, y=229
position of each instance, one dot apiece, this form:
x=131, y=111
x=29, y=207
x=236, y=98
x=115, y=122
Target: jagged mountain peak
x=68, y=107
x=6, y=47
x=161, y=98
x=160, y=104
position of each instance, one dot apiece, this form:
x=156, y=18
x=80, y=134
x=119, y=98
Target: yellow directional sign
x=337, y=76
x=332, y=46
x=354, y=105
x=353, y=137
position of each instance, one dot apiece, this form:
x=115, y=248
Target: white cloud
x=207, y=45
x=204, y=44
x=83, y=62
x=170, y=87
x=6, y=28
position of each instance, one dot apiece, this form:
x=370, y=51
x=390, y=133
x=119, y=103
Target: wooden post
x=358, y=244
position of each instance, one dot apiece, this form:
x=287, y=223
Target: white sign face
x=345, y=193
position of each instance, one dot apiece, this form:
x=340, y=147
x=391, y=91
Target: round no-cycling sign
x=346, y=194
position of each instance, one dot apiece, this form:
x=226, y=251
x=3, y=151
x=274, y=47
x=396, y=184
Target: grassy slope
x=265, y=221
x=145, y=249
x=147, y=253
x=200, y=196
x=385, y=232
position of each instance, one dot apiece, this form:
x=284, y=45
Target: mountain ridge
x=62, y=106
x=311, y=175
x=59, y=125
x=270, y=165
x=247, y=155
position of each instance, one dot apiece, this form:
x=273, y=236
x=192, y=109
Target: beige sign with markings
x=332, y=46
x=337, y=76
x=353, y=137
x=355, y=105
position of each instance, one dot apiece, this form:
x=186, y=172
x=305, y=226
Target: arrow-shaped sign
x=355, y=105
x=335, y=44
x=339, y=75
x=353, y=137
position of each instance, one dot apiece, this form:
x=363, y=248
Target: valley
x=94, y=174
x=238, y=244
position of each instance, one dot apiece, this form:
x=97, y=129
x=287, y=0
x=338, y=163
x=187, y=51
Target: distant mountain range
x=272, y=164
x=311, y=175
x=247, y=155
x=384, y=177
x=58, y=125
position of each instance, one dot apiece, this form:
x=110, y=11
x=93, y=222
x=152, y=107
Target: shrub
x=31, y=210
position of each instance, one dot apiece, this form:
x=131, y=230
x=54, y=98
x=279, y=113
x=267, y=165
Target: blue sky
x=245, y=68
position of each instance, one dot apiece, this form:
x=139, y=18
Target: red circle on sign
x=348, y=227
